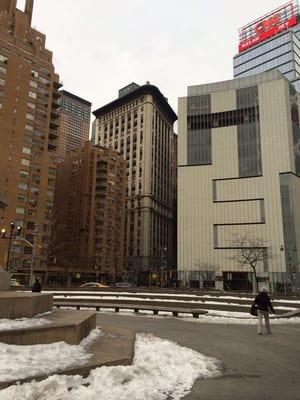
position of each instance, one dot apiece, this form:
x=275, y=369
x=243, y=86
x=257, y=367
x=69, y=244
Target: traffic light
x=19, y=229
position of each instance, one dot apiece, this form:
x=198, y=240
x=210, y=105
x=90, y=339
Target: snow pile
x=8, y=324
x=17, y=362
x=161, y=370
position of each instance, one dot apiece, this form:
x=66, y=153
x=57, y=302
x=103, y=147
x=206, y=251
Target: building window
x=29, y=127
x=26, y=162
x=24, y=174
x=27, y=250
x=32, y=95
x=34, y=73
x=26, y=150
x=22, y=197
x=20, y=210
x=31, y=225
x=3, y=58
x=23, y=185
x=30, y=116
x=31, y=105
x=33, y=84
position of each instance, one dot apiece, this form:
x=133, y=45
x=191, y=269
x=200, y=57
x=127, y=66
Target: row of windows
x=283, y=68
x=222, y=119
x=262, y=48
x=199, y=135
x=276, y=53
x=122, y=109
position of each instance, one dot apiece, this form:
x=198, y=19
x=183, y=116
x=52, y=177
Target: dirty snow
x=161, y=370
x=17, y=362
x=20, y=323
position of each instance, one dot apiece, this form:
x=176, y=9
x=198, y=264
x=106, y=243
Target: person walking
x=36, y=286
x=263, y=303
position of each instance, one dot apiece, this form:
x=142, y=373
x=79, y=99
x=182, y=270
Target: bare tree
x=250, y=252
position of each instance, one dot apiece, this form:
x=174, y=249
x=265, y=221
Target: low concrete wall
x=4, y=281
x=21, y=304
x=76, y=326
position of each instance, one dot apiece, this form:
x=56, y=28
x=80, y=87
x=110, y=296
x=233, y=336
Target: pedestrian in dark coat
x=36, y=286
x=263, y=303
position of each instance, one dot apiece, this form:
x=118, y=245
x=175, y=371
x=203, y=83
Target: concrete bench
x=135, y=307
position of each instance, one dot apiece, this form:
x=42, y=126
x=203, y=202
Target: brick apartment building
x=28, y=138
x=89, y=225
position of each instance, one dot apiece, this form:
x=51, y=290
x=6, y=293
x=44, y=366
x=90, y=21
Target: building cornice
x=142, y=90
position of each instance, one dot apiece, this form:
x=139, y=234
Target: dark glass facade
x=249, y=151
x=295, y=127
x=198, y=138
x=200, y=122
x=279, y=52
x=288, y=220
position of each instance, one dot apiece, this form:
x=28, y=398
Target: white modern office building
x=239, y=176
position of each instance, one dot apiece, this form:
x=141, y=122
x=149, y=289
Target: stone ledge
x=68, y=326
x=24, y=305
x=116, y=347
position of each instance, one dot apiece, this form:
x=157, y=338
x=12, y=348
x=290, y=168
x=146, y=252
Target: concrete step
x=116, y=347
x=65, y=325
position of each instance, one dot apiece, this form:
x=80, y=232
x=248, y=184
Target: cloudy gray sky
x=100, y=46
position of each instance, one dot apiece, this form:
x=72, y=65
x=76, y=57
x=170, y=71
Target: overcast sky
x=100, y=46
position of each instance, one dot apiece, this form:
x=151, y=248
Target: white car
x=14, y=283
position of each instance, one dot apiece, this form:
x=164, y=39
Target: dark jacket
x=36, y=287
x=263, y=302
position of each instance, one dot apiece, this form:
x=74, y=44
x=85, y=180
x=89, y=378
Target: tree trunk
x=255, y=290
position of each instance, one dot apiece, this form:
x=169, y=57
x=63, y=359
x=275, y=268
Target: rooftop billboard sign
x=269, y=25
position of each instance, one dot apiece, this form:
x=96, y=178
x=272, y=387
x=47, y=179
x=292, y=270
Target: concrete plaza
x=256, y=367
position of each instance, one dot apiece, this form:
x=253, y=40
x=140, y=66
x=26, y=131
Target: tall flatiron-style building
x=28, y=139
x=139, y=125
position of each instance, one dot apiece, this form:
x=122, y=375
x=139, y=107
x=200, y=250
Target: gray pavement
x=256, y=367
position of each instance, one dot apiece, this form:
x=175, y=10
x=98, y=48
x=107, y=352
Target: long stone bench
x=135, y=307
x=202, y=300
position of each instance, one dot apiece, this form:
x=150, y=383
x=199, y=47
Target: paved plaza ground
x=256, y=367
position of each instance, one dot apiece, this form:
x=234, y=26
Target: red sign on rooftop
x=268, y=25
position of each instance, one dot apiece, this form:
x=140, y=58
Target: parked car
x=15, y=283
x=123, y=285
x=94, y=285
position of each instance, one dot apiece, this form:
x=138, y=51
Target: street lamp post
x=12, y=226
x=3, y=236
x=163, y=265
x=96, y=267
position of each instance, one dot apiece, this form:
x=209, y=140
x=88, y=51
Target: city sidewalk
x=255, y=367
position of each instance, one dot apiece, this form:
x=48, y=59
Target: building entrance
x=240, y=281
